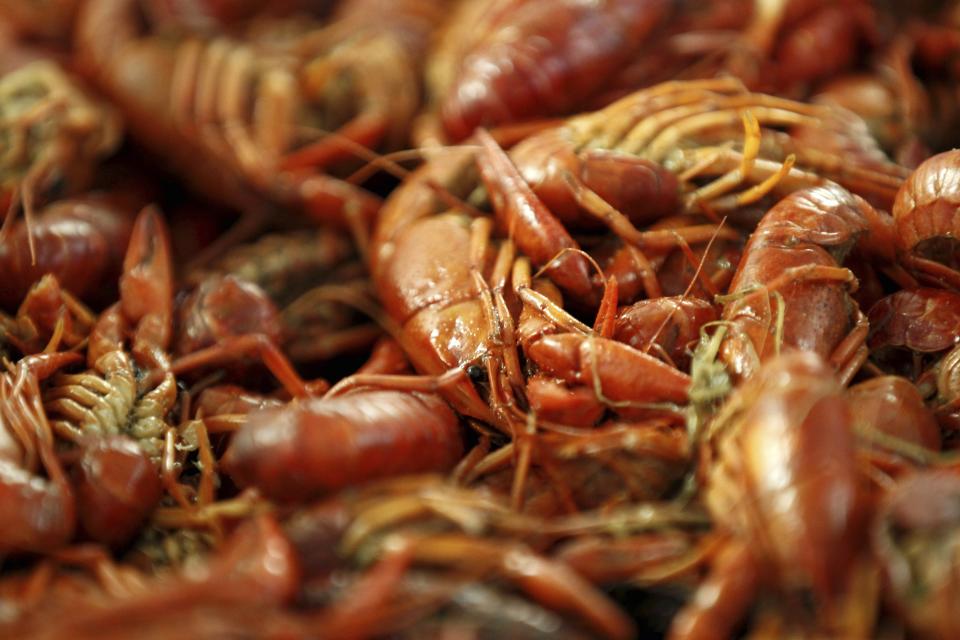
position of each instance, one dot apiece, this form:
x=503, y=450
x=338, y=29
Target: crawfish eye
x=476, y=373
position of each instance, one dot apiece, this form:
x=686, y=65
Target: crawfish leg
x=232, y=347
x=852, y=352
x=938, y=274
x=721, y=600
x=169, y=472
x=528, y=221
x=505, y=385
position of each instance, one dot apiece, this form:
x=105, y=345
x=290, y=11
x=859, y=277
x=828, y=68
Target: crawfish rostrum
x=479, y=319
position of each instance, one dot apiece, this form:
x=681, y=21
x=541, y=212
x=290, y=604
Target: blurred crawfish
x=294, y=289
x=453, y=533
x=49, y=19
x=363, y=71
x=53, y=134
x=916, y=537
x=446, y=605
x=782, y=47
x=908, y=96
x=781, y=473
x=208, y=16
x=288, y=581
x=790, y=45
x=500, y=61
x=253, y=575
x=898, y=432
x=239, y=119
x=504, y=61
x=49, y=318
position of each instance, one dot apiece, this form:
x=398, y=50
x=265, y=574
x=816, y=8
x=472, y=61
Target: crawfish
x=889, y=413
x=488, y=611
x=790, y=290
x=490, y=48
x=423, y=518
x=935, y=48
x=638, y=160
x=363, y=70
x=116, y=397
x=77, y=240
x=447, y=289
x=437, y=297
x=627, y=152
x=686, y=46
x=782, y=479
x=879, y=101
x=909, y=96
x=48, y=318
x=948, y=390
x=53, y=136
x=617, y=463
x=902, y=97
x=789, y=46
x=927, y=223
x=915, y=537
x=708, y=272
x=671, y=324
x=305, y=273
x=255, y=570
x=230, y=115
x=600, y=370
x=774, y=47
x=297, y=450
x=501, y=61
x=38, y=513
x=912, y=329
x=225, y=407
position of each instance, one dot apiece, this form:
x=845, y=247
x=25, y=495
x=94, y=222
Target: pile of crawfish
x=479, y=319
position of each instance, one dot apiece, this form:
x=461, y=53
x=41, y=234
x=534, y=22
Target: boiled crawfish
x=230, y=115
x=53, y=133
